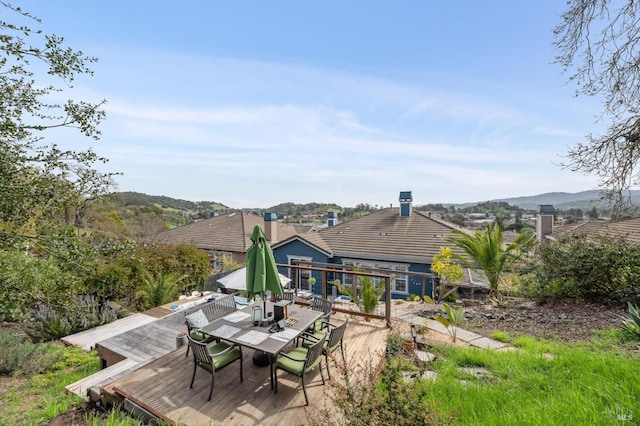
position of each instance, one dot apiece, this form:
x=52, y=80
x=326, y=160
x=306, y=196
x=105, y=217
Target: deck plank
x=162, y=386
x=87, y=339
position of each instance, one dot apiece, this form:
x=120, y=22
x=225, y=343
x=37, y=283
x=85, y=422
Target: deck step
x=83, y=387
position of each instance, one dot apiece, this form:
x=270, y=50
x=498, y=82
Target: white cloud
x=319, y=135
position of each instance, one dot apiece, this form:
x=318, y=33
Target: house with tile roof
x=227, y=236
x=398, y=241
x=628, y=228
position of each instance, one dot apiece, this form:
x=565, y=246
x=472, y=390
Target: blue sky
x=253, y=104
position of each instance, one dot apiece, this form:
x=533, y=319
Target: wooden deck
x=162, y=386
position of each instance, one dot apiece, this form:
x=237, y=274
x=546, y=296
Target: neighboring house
x=226, y=237
x=628, y=228
x=393, y=240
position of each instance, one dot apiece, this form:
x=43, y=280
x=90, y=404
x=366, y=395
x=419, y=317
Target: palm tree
x=159, y=290
x=367, y=298
x=486, y=252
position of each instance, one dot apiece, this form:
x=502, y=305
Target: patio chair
x=194, y=321
x=213, y=358
x=334, y=341
x=300, y=361
x=287, y=295
x=324, y=306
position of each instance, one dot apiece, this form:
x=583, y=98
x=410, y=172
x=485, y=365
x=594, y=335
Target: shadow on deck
x=161, y=387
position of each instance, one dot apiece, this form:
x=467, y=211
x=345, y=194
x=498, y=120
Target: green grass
x=33, y=398
x=32, y=388
x=540, y=383
x=500, y=336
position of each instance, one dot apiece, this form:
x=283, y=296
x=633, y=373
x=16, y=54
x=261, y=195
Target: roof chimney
x=544, y=227
x=271, y=227
x=332, y=219
x=405, y=203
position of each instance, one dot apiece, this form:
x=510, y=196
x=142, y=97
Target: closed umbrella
x=262, y=272
x=262, y=275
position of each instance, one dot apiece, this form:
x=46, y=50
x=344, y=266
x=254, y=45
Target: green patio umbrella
x=262, y=272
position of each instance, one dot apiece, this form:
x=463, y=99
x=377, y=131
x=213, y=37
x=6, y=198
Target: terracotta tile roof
x=385, y=235
x=229, y=232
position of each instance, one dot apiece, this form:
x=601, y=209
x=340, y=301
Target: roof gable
x=311, y=239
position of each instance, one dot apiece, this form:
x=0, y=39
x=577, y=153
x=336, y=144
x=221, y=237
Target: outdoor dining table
x=238, y=327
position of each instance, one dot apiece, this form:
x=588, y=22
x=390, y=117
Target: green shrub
x=27, y=281
x=631, y=321
x=19, y=356
x=581, y=267
x=51, y=322
x=394, y=343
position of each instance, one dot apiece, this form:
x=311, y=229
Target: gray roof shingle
x=229, y=232
x=385, y=235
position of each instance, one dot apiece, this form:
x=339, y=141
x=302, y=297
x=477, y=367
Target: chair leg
x=188, y=347
x=275, y=379
x=326, y=359
x=304, y=390
x=193, y=377
x=213, y=379
x=241, y=362
x=320, y=368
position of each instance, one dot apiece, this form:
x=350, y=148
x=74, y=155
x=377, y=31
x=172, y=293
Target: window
x=300, y=276
x=399, y=281
x=347, y=279
x=399, y=284
x=221, y=260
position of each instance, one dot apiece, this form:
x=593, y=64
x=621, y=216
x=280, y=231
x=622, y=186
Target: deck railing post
x=387, y=305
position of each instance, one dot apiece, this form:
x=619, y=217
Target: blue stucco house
x=397, y=241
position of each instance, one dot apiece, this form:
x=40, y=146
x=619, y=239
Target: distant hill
x=584, y=200
x=128, y=201
x=179, y=211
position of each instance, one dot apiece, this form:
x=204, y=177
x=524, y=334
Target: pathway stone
x=425, y=357
x=487, y=343
x=473, y=339
x=476, y=371
x=412, y=376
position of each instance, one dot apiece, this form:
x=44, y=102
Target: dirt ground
x=561, y=319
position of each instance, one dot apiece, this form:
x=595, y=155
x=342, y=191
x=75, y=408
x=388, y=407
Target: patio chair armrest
x=308, y=337
x=228, y=349
x=291, y=358
x=328, y=324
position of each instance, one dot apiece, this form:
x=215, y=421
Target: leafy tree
x=39, y=181
x=446, y=270
x=599, y=47
x=593, y=213
x=485, y=252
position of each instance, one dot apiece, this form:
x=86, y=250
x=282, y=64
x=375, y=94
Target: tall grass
x=36, y=376
x=539, y=383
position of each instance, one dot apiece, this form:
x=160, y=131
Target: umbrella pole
x=261, y=358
